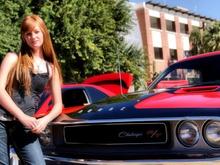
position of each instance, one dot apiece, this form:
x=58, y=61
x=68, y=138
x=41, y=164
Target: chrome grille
x=117, y=133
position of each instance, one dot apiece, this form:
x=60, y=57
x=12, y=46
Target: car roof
x=199, y=61
x=199, y=56
x=69, y=85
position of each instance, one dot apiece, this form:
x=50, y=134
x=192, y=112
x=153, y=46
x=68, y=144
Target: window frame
x=158, y=53
x=155, y=22
x=173, y=55
x=184, y=28
x=170, y=26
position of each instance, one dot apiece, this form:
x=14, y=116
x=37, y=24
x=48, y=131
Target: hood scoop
x=198, y=89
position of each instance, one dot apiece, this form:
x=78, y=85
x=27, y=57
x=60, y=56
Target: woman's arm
x=7, y=64
x=55, y=87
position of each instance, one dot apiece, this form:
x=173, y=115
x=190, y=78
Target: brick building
x=165, y=32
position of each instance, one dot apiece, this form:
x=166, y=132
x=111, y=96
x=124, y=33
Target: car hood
x=198, y=101
x=194, y=97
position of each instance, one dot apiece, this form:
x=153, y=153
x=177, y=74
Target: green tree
x=87, y=35
x=212, y=36
x=133, y=60
x=8, y=32
x=197, y=40
x=206, y=40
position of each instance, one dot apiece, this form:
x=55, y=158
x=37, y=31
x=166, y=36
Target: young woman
x=23, y=77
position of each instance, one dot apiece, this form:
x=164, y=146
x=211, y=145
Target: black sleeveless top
x=28, y=103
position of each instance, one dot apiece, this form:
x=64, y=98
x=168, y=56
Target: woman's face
x=34, y=38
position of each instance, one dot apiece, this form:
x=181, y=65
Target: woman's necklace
x=40, y=67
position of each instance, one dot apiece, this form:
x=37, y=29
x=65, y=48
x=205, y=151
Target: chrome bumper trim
x=60, y=160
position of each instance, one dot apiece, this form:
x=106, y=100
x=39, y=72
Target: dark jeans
x=26, y=144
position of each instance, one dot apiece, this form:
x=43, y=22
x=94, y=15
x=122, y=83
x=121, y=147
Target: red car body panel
x=197, y=97
x=171, y=83
x=45, y=108
x=111, y=84
x=118, y=83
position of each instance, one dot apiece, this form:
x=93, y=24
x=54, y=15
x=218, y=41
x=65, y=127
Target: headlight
x=212, y=133
x=45, y=137
x=188, y=133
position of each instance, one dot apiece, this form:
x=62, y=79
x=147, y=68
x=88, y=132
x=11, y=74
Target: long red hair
x=21, y=73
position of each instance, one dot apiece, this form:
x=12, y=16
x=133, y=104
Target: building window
x=155, y=22
x=158, y=53
x=173, y=54
x=170, y=26
x=184, y=28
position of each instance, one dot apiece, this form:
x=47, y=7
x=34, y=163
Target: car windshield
x=204, y=71
x=179, y=78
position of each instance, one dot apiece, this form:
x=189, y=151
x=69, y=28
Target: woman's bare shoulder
x=10, y=58
x=11, y=55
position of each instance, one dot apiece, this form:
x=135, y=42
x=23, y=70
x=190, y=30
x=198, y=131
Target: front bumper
x=53, y=160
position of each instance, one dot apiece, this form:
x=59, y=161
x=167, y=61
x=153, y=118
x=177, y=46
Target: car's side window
x=97, y=94
x=180, y=77
x=193, y=76
x=74, y=97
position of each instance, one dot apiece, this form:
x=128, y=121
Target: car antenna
x=119, y=70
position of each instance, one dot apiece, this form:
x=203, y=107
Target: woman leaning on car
x=23, y=77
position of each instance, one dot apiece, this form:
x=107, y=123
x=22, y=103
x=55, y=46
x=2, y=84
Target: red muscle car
x=177, y=123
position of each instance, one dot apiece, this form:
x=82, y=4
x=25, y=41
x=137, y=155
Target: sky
x=208, y=8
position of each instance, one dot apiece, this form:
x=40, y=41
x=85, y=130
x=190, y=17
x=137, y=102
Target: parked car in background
x=118, y=83
x=179, y=123
x=76, y=96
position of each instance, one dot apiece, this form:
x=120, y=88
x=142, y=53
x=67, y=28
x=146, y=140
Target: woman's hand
x=41, y=125
x=28, y=121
